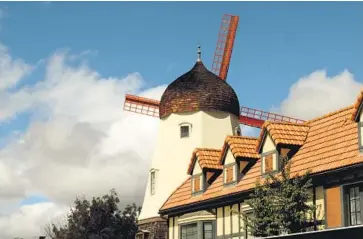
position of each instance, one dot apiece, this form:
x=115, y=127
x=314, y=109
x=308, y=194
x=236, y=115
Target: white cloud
x=11, y=71
x=318, y=94
x=30, y=219
x=80, y=141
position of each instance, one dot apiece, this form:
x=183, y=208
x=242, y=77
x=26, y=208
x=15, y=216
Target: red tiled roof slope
x=331, y=142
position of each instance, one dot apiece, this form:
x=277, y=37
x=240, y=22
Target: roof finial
x=199, y=54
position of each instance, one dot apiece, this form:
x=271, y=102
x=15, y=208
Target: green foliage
x=280, y=204
x=99, y=218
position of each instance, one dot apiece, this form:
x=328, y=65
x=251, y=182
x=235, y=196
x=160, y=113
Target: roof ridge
x=207, y=149
x=329, y=114
x=240, y=137
x=286, y=123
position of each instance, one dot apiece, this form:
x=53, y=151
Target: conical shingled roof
x=198, y=90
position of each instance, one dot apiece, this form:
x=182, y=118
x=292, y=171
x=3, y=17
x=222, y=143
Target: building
x=203, y=169
x=219, y=179
x=190, y=107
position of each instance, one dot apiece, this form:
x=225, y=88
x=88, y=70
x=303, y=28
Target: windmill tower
x=198, y=109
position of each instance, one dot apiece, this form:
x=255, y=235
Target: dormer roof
x=240, y=146
x=283, y=133
x=206, y=157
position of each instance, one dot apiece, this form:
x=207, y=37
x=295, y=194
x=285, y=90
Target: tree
x=99, y=218
x=280, y=204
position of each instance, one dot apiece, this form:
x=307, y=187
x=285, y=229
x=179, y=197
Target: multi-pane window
x=355, y=203
x=189, y=231
x=152, y=183
x=207, y=230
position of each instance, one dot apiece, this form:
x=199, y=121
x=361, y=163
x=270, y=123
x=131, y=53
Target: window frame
x=275, y=164
x=182, y=126
x=186, y=226
x=200, y=228
x=203, y=228
x=235, y=168
x=201, y=184
x=152, y=182
x=347, y=203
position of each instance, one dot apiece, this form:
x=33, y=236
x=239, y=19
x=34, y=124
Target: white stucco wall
x=172, y=154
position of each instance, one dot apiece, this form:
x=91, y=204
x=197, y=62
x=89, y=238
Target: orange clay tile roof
x=357, y=104
x=331, y=143
x=284, y=133
x=240, y=146
x=207, y=158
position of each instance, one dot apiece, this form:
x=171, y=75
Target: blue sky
x=277, y=44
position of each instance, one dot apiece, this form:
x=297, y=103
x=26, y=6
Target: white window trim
x=153, y=170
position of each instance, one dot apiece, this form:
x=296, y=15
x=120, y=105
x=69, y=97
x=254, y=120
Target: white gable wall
x=268, y=146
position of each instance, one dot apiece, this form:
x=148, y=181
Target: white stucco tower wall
x=172, y=152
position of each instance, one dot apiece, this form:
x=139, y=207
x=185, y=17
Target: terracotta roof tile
x=240, y=146
x=207, y=158
x=330, y=142
x=284, y=133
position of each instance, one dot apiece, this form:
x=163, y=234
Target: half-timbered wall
x=229, y=221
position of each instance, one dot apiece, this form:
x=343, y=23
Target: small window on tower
x=184, y=131
x=152, y=183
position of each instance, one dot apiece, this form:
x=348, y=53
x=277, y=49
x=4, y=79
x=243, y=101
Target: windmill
x=221, y=61
x=192, y=105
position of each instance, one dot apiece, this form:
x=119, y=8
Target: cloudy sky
x=65, y=69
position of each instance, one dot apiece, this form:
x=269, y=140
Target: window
x=189, y=231
x=184, y=131
x=354, y=204
x=197, y=183
x=268, y=163
x=229, y=174
x=360, y=135
x=152, y=183
x=246, y=229
x=207, y=230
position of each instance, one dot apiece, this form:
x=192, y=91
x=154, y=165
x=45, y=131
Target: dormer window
x=197, y=183
x=269, y=162
x=230, y=173
x=185, y=129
